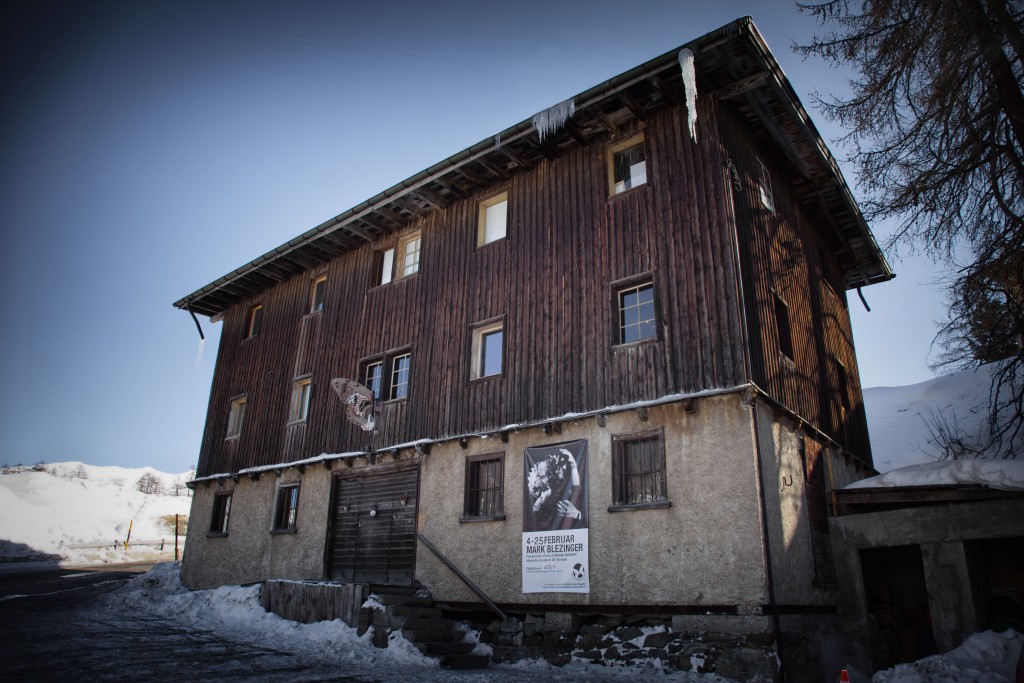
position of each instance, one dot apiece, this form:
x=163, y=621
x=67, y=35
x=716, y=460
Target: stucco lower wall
x=703, y=550
x=250, y=552
x=785, y=484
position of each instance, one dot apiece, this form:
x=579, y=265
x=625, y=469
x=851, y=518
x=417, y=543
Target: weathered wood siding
x=551, y=279
x=782, y=255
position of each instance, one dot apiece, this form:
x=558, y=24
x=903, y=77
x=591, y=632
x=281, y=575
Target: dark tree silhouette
x=936, y=121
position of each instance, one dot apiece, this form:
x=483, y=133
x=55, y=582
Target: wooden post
x=175, y=537
x=130, y=522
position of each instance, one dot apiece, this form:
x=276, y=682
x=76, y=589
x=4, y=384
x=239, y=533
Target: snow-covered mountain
x=903, y=420
x=50, y=512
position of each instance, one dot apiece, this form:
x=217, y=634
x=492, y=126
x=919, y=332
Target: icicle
x=690, y=84
x=199, y=352
x=553, y=118
x=497, y=141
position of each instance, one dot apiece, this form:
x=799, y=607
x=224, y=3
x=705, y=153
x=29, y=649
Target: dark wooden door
x=373, y=537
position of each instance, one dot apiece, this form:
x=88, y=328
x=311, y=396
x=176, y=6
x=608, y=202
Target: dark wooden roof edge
x=215, y=298
x=777, y=79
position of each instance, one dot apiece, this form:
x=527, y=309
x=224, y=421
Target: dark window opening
x=638, y=470
x=286, y=508
x=485, y=476
x=221, y=513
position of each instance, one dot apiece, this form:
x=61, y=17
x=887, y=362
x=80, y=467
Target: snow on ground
x=235, y=613
x=899, y=417
x=987, y=657
x=48, y=512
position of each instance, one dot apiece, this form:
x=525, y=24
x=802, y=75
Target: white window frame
x=764, y=186
x=393, y=384
x=302, y=392
x=616, y=148
x=478, y=352
x=408, y=252
x=623, y=289
x=254, y=321
x=492, y=221
x=236, y=417
x=317, y=294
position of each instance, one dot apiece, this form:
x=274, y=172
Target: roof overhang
x=733, y=63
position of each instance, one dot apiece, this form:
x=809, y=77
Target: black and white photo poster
x=555, y=525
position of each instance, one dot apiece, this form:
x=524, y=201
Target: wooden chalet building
x=670, y=309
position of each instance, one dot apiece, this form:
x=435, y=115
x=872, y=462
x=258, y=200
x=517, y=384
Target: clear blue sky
x=151, y=147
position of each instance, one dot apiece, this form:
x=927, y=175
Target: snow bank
x=1005, y=475
x=899, y=417
x=234, y=613
x=46, y=513
x=987, y=657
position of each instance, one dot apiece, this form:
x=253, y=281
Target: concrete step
x=421, y=624
x=414, y=611
x=444, y=649
x=396, y=600
x=464, y=662
x=432, y=636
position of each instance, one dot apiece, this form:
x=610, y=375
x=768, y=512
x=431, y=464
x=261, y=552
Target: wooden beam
x=741, y=86
x=666, y=92
x=500, y=172
x=575, y=133
x=632, y=105
x=541, y=147
x=432, y=198
x=512, y=154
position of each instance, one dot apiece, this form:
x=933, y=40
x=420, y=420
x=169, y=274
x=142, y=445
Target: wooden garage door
x=373, y=537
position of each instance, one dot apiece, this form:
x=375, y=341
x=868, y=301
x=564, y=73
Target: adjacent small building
x=614, y=376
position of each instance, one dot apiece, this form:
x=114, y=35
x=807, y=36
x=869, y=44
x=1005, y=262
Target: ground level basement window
x=485, y=488
x=286, y=508
x=221, y=513
x=638, y=471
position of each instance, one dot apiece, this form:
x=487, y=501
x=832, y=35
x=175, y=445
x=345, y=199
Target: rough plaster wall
x=786, y=504
x=249, y=552
x=705, y=549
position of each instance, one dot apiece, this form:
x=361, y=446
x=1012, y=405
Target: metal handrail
x=465, y=579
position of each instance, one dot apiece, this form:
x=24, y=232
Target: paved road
x=57, y=625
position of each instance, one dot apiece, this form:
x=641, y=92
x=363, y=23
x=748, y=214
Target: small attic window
x=627, y=164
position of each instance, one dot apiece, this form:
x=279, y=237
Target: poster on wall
x=555, y=524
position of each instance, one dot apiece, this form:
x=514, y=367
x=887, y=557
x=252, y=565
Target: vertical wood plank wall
x=782, y=256
x=551, y=279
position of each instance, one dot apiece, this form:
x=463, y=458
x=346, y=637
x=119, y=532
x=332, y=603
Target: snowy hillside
x=73, y=504
x=899, y=418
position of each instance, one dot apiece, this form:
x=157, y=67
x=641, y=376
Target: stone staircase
x=411, y=611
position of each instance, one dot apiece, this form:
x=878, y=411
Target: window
x=221, y=512
x=385, y=266
x=400, y=367
x=485, y=487
x=488, y=350
x=409, y=255
x=235, y=417
x=399, y=261
x=302, y=390
x=636, y=313
x=627, y=164
x=764, y=184
x=387, y=376
x=286, y=508
x=493, y=219
x=316, y=294
x=785, y=334
x=638, y=471
x=374, y=376
x=252, y=328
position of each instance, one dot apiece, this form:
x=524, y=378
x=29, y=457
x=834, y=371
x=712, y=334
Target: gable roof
x=733, y=62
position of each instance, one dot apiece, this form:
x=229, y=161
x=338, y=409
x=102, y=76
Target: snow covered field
x=71, y=504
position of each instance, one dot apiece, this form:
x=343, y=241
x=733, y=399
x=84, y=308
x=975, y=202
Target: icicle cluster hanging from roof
x=552, y=118
x=690, y=85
